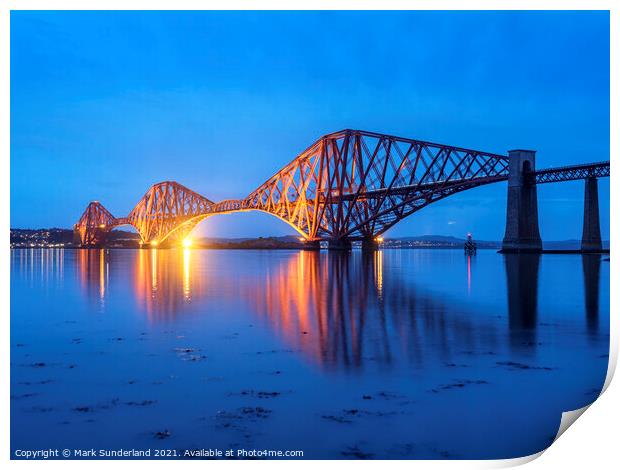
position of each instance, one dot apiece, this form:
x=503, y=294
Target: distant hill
x=568, y=245
x=449, y=241
x=49, y=237
x=436, y=241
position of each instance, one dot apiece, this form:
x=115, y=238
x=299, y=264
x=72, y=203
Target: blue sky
x=104, y=104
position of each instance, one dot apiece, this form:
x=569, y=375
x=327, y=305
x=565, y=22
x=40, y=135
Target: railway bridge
x=354, y=185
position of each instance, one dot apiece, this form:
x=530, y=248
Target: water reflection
x=522, y=283
x=93, y=272
x=164, y=282
x=592, y=279
x=343, y=310
x=39, y=265
x=372, y=340
x=338, y=310
x=346, y=311
x=470, y=264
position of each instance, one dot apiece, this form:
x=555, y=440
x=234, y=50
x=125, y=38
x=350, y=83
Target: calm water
x=396, y=354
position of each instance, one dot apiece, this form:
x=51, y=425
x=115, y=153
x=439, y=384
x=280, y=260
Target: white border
x=592, y=443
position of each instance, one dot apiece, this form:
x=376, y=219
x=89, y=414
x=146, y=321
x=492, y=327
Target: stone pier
x=339, y=244
x=522, y=234
x=311, y=245
x=591, y=236
x=370, y=244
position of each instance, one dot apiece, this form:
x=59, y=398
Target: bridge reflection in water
x=592, y=282
x=339, y=310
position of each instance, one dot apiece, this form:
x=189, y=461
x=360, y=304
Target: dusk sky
x=105, y=104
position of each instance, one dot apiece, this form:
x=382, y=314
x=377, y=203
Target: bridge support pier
x=591, y=236
x=148, y=245
x=339, y=244
x=370, y=244
x=314, y=245
x=522, y=233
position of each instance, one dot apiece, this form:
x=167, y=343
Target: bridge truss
x=351, y=185
x=569, y=173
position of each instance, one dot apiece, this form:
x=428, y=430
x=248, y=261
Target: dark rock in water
x=257, y=412
x=38, y=364
x=357, y=453
x=162, y=434
x=102, y=406
x=83, y=409
x=517, y=365
x=390, y=396
x=254, y=393
x=40, y=409
x=187, y=354
x=366, y=397
x=40, y=382
x=403, y=450
x=337, y=419
x=141, y=403
x=452, y=364
x=275, y=351
x=23, y=395
x=458, y=384
x=233, y=419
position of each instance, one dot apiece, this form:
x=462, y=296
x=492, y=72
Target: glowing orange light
x=154, y=243
x=187, y=242
x=379, y=239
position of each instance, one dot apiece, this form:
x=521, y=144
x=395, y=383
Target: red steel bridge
x=350, y=185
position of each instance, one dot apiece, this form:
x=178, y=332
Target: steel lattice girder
x=168, y=209
x=352, y=184
x=95, y=220
x=576, y=172
x=357, y=184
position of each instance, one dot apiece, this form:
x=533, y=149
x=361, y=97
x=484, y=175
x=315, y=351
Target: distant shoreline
x=120, y=239
x=236, y=248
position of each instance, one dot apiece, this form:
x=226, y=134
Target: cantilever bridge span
x=349, y=185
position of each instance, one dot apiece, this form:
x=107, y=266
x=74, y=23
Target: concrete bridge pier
x=311, y=245
x=95, y=237
x=77, y=239
x=591, y=236
x=370, y=244
x=149, y=245
x=522, y=234
x=339, y=244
